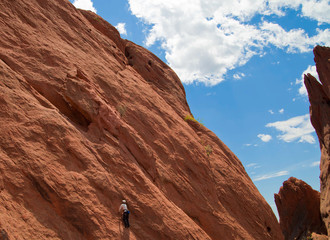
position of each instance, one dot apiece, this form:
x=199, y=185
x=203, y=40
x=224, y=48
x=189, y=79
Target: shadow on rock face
x=126, y=234
x=299, y=210
x=3, y=235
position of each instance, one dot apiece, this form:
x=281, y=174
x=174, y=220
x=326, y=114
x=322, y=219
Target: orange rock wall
x=299, y=210
x=319, y=97
x=88, y=119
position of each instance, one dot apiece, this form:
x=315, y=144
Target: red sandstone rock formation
x=299, y=210
x=88, y=119
x=319, y=97
x=315, y=236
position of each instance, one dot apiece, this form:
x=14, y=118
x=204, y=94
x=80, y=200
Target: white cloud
x=315, y=164
x=314, y=9
x=296, y=128
x=295, y=40
x=318, y=10
x=238, y=76
x=84, y=4
x=211, y=94
x=271, y=175
x=265, y=137
x=281, y=111
x=310, y=69
x=121, y=27
x=205, y=39
x=251, y=165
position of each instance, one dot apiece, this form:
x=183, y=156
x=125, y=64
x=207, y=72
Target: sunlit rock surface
x=88, y=119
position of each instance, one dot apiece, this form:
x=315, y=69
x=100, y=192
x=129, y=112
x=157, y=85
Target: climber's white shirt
x=123, y=207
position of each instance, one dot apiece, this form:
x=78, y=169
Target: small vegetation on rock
x=207, y=147
x=122, y=110
x=309, y=236
x=208, y=150
x=97, y=18
x=189, y=117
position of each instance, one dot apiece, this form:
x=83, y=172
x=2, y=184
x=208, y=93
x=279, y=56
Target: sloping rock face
x=315, y=236
x=88, y=119
x=319, y=98
x=299, y=210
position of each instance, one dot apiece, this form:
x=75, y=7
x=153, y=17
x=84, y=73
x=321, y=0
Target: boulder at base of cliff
x=299, y=210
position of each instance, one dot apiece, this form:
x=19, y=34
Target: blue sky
x=241, y=63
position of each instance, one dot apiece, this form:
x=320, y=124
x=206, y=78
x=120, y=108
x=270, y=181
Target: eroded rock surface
x=319, y=97
x=88, y=119
x=299, y=210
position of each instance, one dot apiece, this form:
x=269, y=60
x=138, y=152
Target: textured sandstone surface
x=319, y=97
x=315, y=236
x=299, y=210
x=88, y=119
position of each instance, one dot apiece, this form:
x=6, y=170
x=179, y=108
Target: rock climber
x=123, y=208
